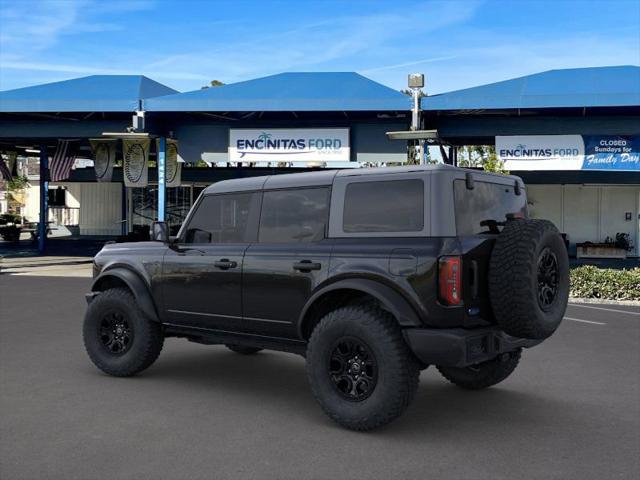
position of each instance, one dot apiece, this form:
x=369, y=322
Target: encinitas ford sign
x=289, y=145
x=541, y=152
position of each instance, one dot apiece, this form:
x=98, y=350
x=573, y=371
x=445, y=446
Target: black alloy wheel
x=353, y=369
x=547, y=278
x=116, y=333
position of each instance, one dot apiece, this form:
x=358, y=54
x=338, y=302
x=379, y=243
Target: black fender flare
x=391, y=300
x=137, y=286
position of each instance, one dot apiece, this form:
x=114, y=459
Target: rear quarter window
x=384, y=206
x=486, y=201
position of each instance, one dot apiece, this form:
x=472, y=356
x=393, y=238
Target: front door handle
x=306, y=266
x=225, y=264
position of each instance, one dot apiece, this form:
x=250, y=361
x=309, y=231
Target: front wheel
x=361, y=371
x=118, y=337
x=485, y=374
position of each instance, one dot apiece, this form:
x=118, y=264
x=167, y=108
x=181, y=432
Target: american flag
x=62, y=161
x=4, y=170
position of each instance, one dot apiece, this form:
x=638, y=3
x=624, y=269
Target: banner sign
x=289, y=145
x=569, y=152
x=610, y=152
x=136, y=162
x=104, y=157
x=173, y=167
x=541, y=152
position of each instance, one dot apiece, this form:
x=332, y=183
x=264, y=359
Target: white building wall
x=31, y=208
x=581, y=213
x=100, y=208
x=588, y=213
x=73, y=195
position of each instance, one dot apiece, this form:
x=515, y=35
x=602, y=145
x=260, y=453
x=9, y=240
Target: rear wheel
x=118, y=337
x=242, y=349
x=485, y=374
x=360, y=369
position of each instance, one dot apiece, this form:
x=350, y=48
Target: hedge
x=588, y=281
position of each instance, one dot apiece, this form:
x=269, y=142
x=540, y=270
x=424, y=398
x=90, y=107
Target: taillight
x=450, y=280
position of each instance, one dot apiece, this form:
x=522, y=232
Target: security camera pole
x=416, y=83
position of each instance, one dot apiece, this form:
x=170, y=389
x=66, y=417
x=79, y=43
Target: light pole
x=416, y=83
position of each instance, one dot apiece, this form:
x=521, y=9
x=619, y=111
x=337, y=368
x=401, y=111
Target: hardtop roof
x=324, y=178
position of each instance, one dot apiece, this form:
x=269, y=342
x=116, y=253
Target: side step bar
x=215, y=337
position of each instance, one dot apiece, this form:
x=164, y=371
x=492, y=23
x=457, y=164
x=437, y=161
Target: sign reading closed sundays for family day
x=569, y=152
x=289, y=145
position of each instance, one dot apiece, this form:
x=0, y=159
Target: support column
x=162, y=179
x=123, y=209
x=44, y=199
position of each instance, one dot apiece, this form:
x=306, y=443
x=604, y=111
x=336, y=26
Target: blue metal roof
x=577, y=87
x=96, y=93
x=299, y=92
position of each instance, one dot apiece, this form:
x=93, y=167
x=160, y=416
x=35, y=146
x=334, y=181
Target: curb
x=7, y=266
x=603, y=301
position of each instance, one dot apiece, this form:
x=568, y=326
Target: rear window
x=384, y=206
x=487, y=201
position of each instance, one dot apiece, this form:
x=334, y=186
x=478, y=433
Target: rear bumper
x=458, y=347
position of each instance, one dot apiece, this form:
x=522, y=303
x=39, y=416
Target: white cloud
x=89, y=70
x=314, y=46
x=408, y=64
x=31, y=27
x=436, y=37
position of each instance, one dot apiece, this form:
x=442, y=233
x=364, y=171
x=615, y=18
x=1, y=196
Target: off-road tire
x=397, y=369
x=241, y=349
x=514, y=278
x=146, y=343
x=483, y=375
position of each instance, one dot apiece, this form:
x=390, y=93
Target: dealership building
x=573, y=135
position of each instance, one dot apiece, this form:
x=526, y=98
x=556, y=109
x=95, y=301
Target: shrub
x=588, y=281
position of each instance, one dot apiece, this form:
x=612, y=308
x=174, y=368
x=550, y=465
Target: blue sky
x=184, y=44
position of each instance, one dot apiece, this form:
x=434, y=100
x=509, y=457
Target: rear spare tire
x=529, y=278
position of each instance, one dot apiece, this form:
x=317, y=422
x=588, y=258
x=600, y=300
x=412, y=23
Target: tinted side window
x=296, y=215
x=384, y=206
x=487, y=201
x=222, y=219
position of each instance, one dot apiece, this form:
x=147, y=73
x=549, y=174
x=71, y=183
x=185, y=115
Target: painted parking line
x=603, y=308
x=584, y=321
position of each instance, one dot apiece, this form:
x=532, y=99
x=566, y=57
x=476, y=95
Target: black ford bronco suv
x=371, y=274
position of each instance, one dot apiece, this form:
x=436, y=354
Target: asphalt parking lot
x=570, y=411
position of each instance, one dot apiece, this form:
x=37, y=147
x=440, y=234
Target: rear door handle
x=306, y=266
x=225, y=264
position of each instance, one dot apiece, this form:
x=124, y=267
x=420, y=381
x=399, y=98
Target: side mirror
x=159, y=232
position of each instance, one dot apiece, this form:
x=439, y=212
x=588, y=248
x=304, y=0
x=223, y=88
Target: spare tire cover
x=529, y=278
